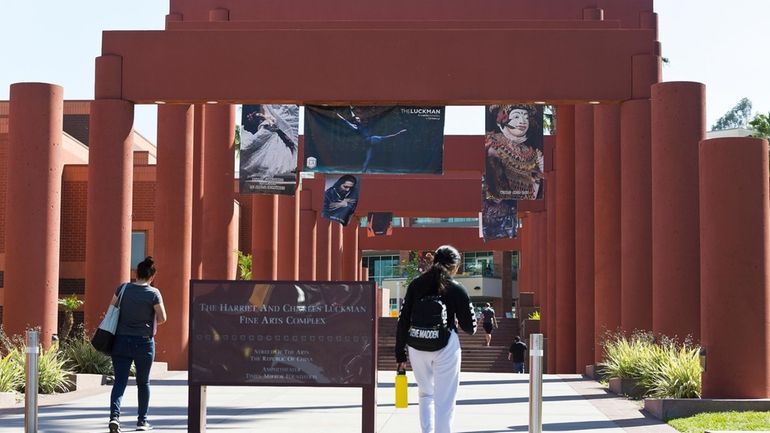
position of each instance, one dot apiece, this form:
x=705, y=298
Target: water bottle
x=402, y=400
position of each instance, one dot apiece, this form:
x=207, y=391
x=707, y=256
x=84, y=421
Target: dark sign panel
x=360, y=139
x=282, y=333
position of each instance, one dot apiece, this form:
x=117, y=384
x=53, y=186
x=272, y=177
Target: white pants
x=438, y=376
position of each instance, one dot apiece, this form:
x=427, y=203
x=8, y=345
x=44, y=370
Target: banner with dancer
x=388, y=140
x=340, y=198
x=514, y=152
x=269, y=149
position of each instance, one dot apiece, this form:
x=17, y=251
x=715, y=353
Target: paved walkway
x=487, y=403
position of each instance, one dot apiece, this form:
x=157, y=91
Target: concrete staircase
x=476, y=356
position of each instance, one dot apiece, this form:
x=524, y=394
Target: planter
x=82, y=381
x=627, y=387
x=669, y=408
x=7, y=399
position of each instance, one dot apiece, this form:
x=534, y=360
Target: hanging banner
x=379, y=224
x=340, y=198
x=514, y=152
x=389, y=140
x=499, y=219
x=269, y=149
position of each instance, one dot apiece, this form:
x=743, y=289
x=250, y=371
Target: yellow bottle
x=402, y=400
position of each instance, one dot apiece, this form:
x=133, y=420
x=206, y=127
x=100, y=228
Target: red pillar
x=735, y=267
x=351, y=262
x=606, y=222
x=110, y=188
x=286, y=238
x=525, y=259
x=219, y=256
x=33, y=204
x=307, y=236
x=173, y=228
x=550, y=300
x=323, y=247
x=565, y=239
x=196, y=270
x=335, y=256
x=584, y=236
x=263, y=237
x=540, y=247
x=678, y=119
x=635, y=216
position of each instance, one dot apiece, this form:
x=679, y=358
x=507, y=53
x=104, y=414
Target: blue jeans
x=518, y=367
x=125, y=350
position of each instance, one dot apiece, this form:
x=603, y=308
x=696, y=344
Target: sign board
x=282, y=333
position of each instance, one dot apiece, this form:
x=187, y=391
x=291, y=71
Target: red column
x=286, y=238
x=219, y=257
x=540, y=247
x=606, y=222
x=110, y=188
x=173, y=228
x=351, y=262
x=549, y=324
x=524, y=284
x=678, y=119
x=263, y=235
x=565, y=239
x=735, y=267
x=335, y=256
x=307, y=236
x=635, y=216
x=33, y=205
x=196, y=270
x=584, y=236
x=323, y=247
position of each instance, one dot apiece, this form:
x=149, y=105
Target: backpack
x=428, y=331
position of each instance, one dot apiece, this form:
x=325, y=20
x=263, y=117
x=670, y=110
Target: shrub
x=81, y=357
x=52, y=374
x=11, y=374
x=535, y=315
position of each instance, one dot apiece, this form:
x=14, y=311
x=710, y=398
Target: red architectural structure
x=621, y=239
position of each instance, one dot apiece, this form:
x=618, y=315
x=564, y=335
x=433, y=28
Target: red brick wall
x=144, y=201
x=3, y=184
x=73, y=221
x=244, y=225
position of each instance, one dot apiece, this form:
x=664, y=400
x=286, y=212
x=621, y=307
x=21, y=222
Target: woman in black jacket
x=433, y=306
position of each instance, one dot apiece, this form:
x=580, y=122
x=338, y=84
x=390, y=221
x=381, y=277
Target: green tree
x=737, y=117
x=760, y=124
x=69, y=304
x=244, y=265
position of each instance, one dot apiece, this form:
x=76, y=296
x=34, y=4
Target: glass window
x=381, y=267
x=478, y=263
x=138, y=248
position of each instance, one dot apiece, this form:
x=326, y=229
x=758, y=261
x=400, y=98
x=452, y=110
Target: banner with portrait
x=340, y=198
x=379, y=224
x=514, y=152
x=269, y=137
x=361, y=139
x=499, y=219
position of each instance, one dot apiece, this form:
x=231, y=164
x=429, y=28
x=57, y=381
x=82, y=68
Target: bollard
x=31, y=382
x=535, y=383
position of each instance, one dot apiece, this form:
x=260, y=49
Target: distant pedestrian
x=488, y=321
x=516, y=353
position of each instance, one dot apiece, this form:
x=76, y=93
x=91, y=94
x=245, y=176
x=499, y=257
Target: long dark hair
x=445, y=259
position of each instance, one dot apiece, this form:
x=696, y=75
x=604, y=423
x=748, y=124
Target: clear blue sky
x=722, y=44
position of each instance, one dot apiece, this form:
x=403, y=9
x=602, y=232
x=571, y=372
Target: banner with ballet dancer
x=514, y=152
x=381, y=140
x=269, y=149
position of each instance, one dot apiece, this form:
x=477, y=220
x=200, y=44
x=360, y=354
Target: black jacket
x=458, y=305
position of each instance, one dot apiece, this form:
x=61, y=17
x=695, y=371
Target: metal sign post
x=31, y=382
x=535, y=383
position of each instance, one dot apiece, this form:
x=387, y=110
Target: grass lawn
x=723, y=421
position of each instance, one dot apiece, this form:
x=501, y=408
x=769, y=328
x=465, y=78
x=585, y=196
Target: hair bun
x=149, y=261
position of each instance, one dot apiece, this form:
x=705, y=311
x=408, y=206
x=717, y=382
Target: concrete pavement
x=487, y=403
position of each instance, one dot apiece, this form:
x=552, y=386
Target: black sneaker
x=143, y=426
x=114, y=426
